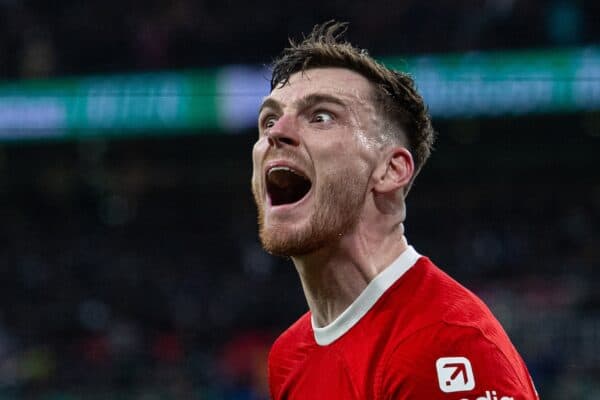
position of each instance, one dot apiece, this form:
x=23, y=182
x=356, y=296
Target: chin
x=290, y=242
x=307, y=228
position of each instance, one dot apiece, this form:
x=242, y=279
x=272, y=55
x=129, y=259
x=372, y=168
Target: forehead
x=343, y=83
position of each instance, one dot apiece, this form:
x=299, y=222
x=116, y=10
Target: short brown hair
x=395, y=91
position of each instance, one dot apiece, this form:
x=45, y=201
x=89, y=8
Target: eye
x=322, y=116
x=268, y=121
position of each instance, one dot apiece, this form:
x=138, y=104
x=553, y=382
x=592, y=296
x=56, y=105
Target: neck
x=333, y=277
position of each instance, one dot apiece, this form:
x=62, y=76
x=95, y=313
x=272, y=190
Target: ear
x=395, y=172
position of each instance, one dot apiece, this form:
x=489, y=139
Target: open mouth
x=286, y=185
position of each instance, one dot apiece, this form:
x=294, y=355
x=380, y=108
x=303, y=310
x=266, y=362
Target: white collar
x=365, y=301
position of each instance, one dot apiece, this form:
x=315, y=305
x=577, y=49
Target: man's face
x=313, y=159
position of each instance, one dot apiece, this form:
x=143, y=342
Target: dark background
x=131, y=267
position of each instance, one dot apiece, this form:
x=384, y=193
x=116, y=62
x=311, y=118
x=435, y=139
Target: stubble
x=334, y=211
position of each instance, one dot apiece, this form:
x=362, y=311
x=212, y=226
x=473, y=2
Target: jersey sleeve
x=449, y=362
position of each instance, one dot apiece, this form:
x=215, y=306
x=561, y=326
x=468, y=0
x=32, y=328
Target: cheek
x=367, y=154
x=354, y=156
x=257, y=154
x=258, y=151
x=343, y=165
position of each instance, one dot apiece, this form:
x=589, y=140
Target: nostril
x=279, y=140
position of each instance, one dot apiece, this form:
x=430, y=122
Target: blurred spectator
x=133, y=270
x=39, y=40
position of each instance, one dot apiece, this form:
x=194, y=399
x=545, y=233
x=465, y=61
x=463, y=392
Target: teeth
x=281, y=168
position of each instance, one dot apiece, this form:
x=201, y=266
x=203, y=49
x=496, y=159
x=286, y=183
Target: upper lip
x=284, y=163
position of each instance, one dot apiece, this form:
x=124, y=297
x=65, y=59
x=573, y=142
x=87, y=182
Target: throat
x=333, y=279
x=330, y=290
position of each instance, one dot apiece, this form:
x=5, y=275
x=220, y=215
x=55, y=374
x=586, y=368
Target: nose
x=283, y=132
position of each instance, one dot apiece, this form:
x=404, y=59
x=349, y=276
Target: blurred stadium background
x=130, y=266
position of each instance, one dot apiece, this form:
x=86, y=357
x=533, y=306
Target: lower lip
x=285, y=207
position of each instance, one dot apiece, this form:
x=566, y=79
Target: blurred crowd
x=137, y=273
x=40, y=38
x=132, y=269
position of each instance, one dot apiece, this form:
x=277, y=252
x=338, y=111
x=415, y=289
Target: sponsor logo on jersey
x=491, y=395
x=455, y=374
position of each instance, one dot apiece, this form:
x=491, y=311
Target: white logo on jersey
x=454, y=374
x=492, y=395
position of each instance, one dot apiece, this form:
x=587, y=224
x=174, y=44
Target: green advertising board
x=226, y=99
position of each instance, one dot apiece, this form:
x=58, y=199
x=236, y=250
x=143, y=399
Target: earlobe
x=396, y=172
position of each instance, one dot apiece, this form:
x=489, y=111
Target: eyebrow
x=315, y=98
x=270, y=102
x=303, y=103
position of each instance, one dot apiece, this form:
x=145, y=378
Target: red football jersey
x=413, y=333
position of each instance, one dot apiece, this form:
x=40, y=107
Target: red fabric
x=391, y=353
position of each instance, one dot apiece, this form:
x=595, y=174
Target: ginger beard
x=335, y=209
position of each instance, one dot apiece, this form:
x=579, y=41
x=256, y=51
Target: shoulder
x=294, y=337
x=289, y=351
x=455, y=362
x=452, y=347
x=436, y=297
x=426, y=303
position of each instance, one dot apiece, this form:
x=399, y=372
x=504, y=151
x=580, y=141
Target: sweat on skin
x=348, y=227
